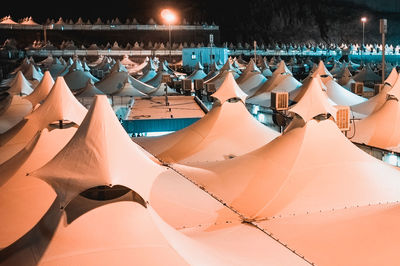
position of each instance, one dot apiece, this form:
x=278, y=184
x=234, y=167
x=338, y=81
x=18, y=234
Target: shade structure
x=313, y=100
x=59, y=105
x=381, y=128
x=376, y=102
x=217, y=135
x=114, y=82
x=20, y=85
x=309, y=169
x=89, y=90
x=56, y=68
x=157, y=79
x=198, y=72
x=32, y=74
x=391, y=79
x=42, y=89
x=77, y=79
x=213, y=70
x=220, y=77
x=340, y=95
x=249, y=71
x=100, y=153
x=14, y=113
x=149, y=71
x=265, y=70
x=229, y=90
x=127, y=89
x=367, y=75
x=277, y=83
x=364, y=235
x=344, y=77
x=25, y=196
x=251, y=78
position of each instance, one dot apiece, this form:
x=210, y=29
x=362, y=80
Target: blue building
x=204, y=55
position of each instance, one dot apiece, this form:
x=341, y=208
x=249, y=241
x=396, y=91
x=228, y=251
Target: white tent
x=281, y=80
x=20, y=85
x=312, y=100
x=198, y=72
x=77, y=78
x=24, y=199
x=89, y=90
x=220, y=77
x=42, y=89
x=157, y=79
x=251, y=78
x=309, y=169
x=340, y=95
x=217, y=135
x=14, y=112
x=375, y=103
x=148, y=72
x=59, y=105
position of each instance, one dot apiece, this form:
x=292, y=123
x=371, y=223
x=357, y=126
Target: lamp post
x=363, y=20
x=170, y=18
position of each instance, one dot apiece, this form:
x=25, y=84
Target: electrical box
x=280, y=100
x=198, y=84
x=357, y=88
x=343, y=117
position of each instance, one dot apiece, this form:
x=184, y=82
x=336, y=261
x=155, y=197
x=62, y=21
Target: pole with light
x=363, y=20
x=383, y=31
x=169, y=18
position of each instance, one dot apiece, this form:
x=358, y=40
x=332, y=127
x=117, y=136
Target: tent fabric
x=366, y=74
x=138, y=233
x=60, y=104
x=42, y=89
x=277, y=83
x=163, y=69
x=89, y=90
x=15, y=112
x=100, y=153
x=229, y=89
x=248, y=71
x=128, y=90
x=340, y=95
x=381, y=128
x=198, y=72
x=77, y=79
x=115, y=81
x=376, y=102
x=25, y=196
x=20, y=85
x=220, y=77
x=309, y=169
x=365, y=235
x=32, y=74
x=314, y=101
x=214, y=137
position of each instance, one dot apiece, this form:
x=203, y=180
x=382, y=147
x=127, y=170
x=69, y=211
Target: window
x=193, y=56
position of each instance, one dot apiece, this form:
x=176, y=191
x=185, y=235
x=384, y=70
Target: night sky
x=262, y=20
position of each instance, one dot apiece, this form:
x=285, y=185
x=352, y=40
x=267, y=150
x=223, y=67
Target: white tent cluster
x=75, y=188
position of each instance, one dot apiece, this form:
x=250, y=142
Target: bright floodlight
x=168, y=15
x=363, y=19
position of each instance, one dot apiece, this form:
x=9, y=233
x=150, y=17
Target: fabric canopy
x=42, y=89
x=309, y=169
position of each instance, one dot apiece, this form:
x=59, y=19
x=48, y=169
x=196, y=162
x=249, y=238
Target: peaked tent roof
x=24, y=196
x=314, y=101
x=229, y=89
x=309, y=169
x=77, y=79
x=366, y=74
x=277, y=82
x=89, y=90
x=376, y=102
x=381, y=128
x=127, y=89
x=31, y=73
x=60, y=104
x=340, y=95
x=115, y=81
x=214, y=137
x=20, y=85
x=100, y=153
x=42, y=89
x=15, y=112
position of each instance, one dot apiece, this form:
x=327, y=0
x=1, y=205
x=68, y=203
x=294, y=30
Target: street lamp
x=169, y=17
x=363, y=20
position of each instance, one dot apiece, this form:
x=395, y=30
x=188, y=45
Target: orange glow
x=363, y=19
x=168, y=15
